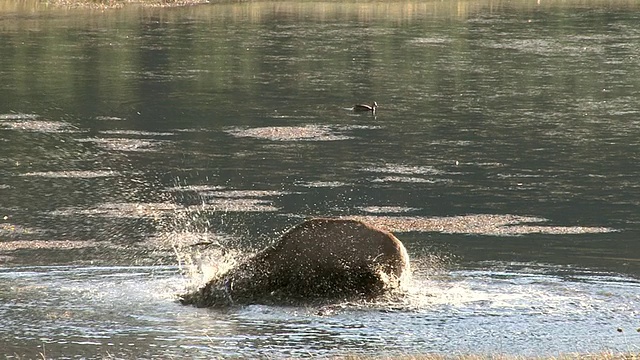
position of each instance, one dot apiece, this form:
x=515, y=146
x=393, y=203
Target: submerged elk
x=316, y=259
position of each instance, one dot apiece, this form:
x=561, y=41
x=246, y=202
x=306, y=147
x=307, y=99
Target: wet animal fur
x=316, y=259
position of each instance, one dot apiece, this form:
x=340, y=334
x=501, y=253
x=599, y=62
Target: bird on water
x=366, y=107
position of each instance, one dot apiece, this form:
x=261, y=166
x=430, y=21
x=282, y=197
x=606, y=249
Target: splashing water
x=201, y=254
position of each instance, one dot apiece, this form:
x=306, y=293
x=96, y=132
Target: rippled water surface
x=506, y=308
x=504, y=154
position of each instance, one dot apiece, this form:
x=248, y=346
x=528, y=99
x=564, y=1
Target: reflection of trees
x=227, y=56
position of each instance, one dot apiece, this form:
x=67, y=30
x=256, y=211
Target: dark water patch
x=549, y=47
x=605, y=109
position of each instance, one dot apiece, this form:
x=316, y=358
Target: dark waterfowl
x=366, y=107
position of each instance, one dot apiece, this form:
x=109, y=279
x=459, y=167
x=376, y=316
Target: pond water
x=504, y=154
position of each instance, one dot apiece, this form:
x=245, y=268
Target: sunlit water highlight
x=515, y=308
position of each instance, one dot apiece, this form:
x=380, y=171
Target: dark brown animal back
x=341, y=244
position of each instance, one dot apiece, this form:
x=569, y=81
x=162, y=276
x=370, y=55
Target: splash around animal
x=318, y=259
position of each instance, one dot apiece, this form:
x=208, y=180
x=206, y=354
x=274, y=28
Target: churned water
x=131, y=312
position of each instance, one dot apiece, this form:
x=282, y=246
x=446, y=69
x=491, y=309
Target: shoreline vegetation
x=462, y=6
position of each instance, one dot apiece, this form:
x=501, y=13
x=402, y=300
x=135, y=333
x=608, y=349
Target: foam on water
x=514, y=308
x=520, y=290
